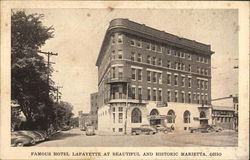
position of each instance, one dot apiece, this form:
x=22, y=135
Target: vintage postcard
x=124, y=80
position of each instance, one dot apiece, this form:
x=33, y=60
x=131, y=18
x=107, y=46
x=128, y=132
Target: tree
x=29, y=85
x=63, y=113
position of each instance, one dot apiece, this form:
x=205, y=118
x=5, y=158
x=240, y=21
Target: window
x=169, y=64
x=182, y=97
x=113, y=39
x=153, y=47
x=198, y=70
x=183, y=81
x=113, y=129
x=140, y=93
x=154, y=112
x=206, y=99
x=198, y=59
x=160, y=78
x=176, y=96
x=198, y=83
x=202, y=70
x=136, y=116
x=186, y=117
x=148, y=46
x=113, y=109
x=159, y=61
x=189, y=82
x=189, y=68
x=202, y=114
x=120, y=109
x=169, y=78
x=154, y=94
x=194, y=97
x=148, y=59
x=139, y=74
x=153, y=60
x=159, y=95
x=202, y=98
x=169, y=95
x=119, y=54
x=132, y=42
x=159, y=48
x=139, y=58
x=189, y=98
x=133, y=92
x=171, y=116
x=113, y=55
x=182, y=55
x=176, y=80
x=149, y=76
x=168, y=50
x=176, y=65
x=120, y=129
x=132, y=56
x=206, y=85
x=188, y=56
x=149, y=94
x=120, y=38
x=120, y=72
x=154, y=77
x=113, y=117
x=133, y=73
x=113, y=72
x=139, y=44
x=120, y=92
x=198, y=98
x=182, y=66
x=206, y=72
x=202, y=84
x=120, y=117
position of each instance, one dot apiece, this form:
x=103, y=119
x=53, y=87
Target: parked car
x=43, y=134
x=19, y=140
x=35, y=136
x=90, y=130
x=143, y=129
x=65, y=128
x=206, y=129
x=163, y=129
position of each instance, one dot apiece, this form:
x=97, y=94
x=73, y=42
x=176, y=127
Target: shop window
x=120, y=129
x=171, y=116
x=136, y=116
x=186, y=117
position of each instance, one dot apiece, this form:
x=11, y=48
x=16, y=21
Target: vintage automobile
x=162, y=129
x=90, y=130
x=18, y=140
x=143, y=129
x=206, y=129
x=65, y=128
x=37, y=137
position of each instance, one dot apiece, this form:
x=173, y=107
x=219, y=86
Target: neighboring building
x=147, y=76
x=84, y=119
x=94, y=109
x=223, y=117
x=225, y=112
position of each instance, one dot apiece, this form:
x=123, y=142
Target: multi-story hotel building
x=147, y=76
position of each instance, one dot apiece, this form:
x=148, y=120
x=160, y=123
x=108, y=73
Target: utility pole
x=48, y=64
x=50, y=128
x=57, y=93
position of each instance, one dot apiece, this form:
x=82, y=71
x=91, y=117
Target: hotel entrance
x=155, y=118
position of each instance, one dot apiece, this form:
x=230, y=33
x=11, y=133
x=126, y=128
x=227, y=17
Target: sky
x=79, y=34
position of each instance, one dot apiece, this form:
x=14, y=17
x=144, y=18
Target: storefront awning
x=159, y=116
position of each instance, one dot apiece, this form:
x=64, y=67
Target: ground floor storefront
x=121, y=118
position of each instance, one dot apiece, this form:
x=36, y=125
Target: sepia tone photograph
x=113, y=78
x=109, y=80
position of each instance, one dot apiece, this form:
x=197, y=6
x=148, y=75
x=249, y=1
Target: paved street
x=77, y=138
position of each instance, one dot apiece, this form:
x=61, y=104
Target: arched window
x=202, y=114
x=186, y=117
x=136, y=116
x=171, y=116
x=154, y=112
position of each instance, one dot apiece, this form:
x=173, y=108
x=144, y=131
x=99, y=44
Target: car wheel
x=151, y=132
x=19, y=144
x=134, y=133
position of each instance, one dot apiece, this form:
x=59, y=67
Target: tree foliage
x=28, y=69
